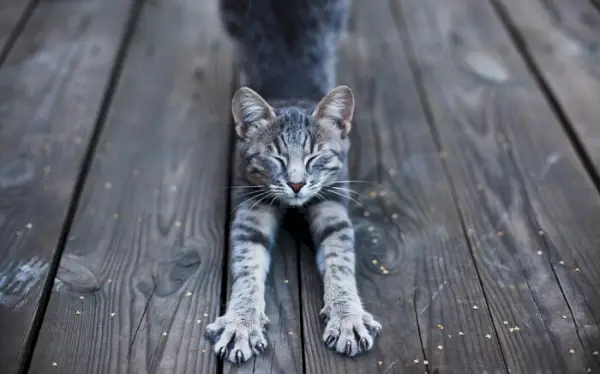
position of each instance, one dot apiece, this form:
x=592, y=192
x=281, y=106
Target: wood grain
x=11, y=14
x=284, y=332
x=141, y=273
x=523, y=194
x=415, y=271
x=51, y=89
x=562, y=40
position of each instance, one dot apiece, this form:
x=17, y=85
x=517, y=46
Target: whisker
x=256, y=196
x=320, y=195
x=352, y=181
x=250, y=193
x=273, y=200
x=258, y=202
x=348, y=197
x=233, y=187
x=349, y=190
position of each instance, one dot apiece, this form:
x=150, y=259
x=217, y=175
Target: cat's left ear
x=336, y=109
x=251, y=113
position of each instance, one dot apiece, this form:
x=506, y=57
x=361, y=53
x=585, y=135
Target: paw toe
x=330, y=338
x=365, y=343
x=239, y=357
x=214, y=331
x=351, y=334
x=371, y=324
x=258, y=343
x=349, y=348
x=235, y=340
x=259, y=348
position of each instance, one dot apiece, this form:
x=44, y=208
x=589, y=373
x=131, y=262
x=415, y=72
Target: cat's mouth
x=296, y=200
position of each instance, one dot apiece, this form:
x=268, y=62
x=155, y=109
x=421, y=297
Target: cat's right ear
x=251, y=113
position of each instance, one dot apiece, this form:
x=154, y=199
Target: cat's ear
x=250, y=112
x=336, y=109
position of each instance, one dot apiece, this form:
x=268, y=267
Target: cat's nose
x=296, y=187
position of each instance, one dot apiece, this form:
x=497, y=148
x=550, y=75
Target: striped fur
x=291, y=152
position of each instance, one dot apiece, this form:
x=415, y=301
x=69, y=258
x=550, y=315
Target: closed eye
x=281, y=161
x=311, y=160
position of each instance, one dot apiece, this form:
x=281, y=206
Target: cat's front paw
x=349, y=331
x=238, y=337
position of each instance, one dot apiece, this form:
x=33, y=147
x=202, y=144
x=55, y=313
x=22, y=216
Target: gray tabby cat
x=291, y=153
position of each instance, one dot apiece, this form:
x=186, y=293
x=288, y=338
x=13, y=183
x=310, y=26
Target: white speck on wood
x=487, y=66
x=551, y=160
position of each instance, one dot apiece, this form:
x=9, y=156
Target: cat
x=292, y=128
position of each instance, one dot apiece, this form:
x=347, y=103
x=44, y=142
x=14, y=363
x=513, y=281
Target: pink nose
x=296, y=187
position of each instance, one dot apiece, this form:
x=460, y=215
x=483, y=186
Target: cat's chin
x=296, y=201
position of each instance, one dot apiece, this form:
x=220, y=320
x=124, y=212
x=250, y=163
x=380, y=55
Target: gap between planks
x=113, y=79
x=544, y=86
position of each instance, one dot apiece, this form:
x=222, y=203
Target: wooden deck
x=477, y=126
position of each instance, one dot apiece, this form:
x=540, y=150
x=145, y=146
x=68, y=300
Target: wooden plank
x=51, y=88
x=284, y=332
x=561, y=38
x=11, y=14
x=143, y=263
x=407, y=223
x=523, y=194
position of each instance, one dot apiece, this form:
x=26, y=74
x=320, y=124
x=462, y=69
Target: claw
x=239, y=357
x=260, y=347
x=363, y=344
x=330, y=340
x=348, y=348
x=373, y=330
x=222, y=352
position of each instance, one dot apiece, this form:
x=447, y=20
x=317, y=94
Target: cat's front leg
x=239, y=333
x=349, y=329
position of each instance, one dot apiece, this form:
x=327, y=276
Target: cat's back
x=287, y=49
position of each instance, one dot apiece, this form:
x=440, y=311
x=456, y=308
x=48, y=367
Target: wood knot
x=170, y=274
x=487, y=67
x=77, y=276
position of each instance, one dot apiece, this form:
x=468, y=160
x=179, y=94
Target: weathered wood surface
x=12, y=14
x=144, y=257
x=51, y=89
x=527, y=203
x=562, y=38
x=504, y=218
x=415, y=271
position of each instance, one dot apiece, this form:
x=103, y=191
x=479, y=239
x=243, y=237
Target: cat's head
x=292, y=153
